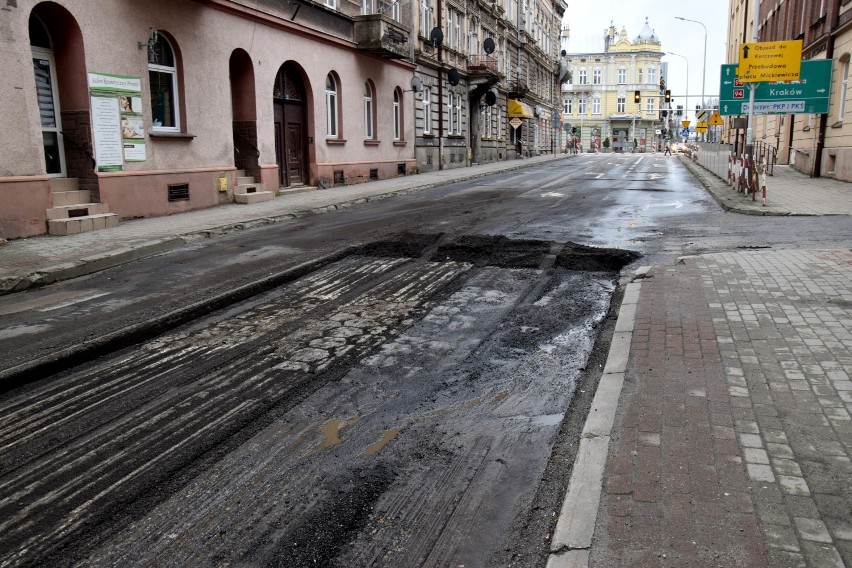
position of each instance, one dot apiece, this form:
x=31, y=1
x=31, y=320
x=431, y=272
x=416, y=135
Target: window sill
x=172, y=135
x=425, y=135
x=806, y=128
x=838, y=124
x=335, y=141
x=455, y=136
x=372, y=142
x=400, y=143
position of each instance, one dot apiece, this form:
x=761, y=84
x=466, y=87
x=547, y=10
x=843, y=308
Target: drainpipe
x=816, y=170
x=440, y=93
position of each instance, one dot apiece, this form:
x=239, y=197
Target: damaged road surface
x=397, y=407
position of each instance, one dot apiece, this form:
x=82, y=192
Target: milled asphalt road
x=720, y=434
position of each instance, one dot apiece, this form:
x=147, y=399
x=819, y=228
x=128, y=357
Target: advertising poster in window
x=118, y=125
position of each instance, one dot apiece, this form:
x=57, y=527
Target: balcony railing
x=482, y=63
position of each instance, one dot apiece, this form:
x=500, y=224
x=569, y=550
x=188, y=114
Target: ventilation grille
x=179, y=192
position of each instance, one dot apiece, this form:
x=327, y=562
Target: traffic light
x=668, y=97
x=664, y=113
x=637, y=97
x=680, y=110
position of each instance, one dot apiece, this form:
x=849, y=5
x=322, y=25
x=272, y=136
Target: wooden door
x=295, y=144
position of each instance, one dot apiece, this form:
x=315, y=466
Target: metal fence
x=715, y=157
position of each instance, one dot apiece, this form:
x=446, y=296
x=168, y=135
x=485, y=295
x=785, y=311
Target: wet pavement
x=721, y=432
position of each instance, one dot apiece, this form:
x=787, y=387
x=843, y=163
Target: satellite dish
x=490, y=98
x=564, y=53
x=416, y=84
x=453, y=77
x=437, y=37
x=488, y=45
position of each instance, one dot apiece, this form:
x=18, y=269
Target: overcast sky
x=592, y=17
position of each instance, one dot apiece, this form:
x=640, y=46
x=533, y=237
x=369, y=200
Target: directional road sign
x=808, y=95
x=770, y=61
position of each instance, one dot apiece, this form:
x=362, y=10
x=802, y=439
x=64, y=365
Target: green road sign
x=808, y=95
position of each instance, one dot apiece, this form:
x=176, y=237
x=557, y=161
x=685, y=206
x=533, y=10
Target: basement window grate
x=400, y=169
x=338, y=177
x=374, y=174
x=179, y=192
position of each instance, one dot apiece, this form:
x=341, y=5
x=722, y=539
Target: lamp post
x=704, y=69
x=686, y=103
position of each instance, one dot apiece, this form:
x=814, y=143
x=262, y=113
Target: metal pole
x=686, y=97
x=749, y=148
x=704, y=69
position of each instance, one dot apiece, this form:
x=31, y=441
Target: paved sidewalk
x=732, y=438
x=789, y=192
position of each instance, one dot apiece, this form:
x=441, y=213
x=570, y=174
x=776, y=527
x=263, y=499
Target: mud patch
x=488, y=250
x=580, y=257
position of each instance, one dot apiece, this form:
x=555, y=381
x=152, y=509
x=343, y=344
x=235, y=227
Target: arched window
x=369, y=112
x=331, y=112
x=397, y=114
x=163, y=85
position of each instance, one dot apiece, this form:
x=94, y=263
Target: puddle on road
x=376, y=447
x=331, y=431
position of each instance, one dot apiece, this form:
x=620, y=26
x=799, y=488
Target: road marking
x=79, y=300
x=552, y=194
x=676, y=205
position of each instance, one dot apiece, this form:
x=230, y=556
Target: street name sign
x=770, y=61
x=808, y=95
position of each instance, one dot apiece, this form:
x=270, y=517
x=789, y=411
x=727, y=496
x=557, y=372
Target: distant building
x=607, y=72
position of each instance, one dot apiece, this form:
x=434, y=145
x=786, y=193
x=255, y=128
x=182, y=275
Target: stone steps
x=246, y=191
x=73, y=211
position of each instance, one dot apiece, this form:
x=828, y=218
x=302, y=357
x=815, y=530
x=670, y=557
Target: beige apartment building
x=817, y=144
x=607, y=72
x=122, y=109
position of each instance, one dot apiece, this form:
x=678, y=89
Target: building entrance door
x=291, y=152
x=48, y=106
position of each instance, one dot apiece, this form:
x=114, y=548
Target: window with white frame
x=425, y=17
x=450, y=114
x=621, y=104
x=566, y=105
x=640, y=75
x=622, y=76
x=368, y=6
x=394, y=10
x=163, y=86
x=458, y=110
x=397, y=115
x=331, y=3
x=596, y=77
x=427, y=110
x=451, y=29
x=331, y=114
x=652, y=75
x=650, y=105
x=844, y=84
x=581, y=105
x=489, y=122
x=582, y=77
x=369, y=112
x=596, y=105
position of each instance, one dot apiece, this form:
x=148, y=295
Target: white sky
x=592, y=17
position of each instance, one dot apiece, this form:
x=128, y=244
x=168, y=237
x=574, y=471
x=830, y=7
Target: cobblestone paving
x=784, y=327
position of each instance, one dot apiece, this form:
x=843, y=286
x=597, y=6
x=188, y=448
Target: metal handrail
x=764, y=152
x=79, y=146
x=249, y=142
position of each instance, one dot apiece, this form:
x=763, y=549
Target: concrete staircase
x=246, y=190
x=73, y=211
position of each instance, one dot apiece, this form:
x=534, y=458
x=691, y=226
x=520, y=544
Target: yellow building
x=615, y=88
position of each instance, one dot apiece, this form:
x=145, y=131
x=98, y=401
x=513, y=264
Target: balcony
x=518, y=89
x=382, y=36
x=477, y=64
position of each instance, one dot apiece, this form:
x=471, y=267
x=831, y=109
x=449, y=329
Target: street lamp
x=704, y=69
x=686, y=102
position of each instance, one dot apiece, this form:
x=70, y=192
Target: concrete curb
x=89, y=265
x=572, y=540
